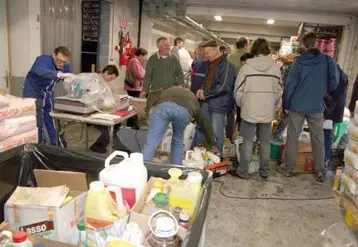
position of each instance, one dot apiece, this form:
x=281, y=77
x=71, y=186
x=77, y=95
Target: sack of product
x=15, y=126
x=18, y=107
x=351, y=159
x=349, y=184
x=4, y=101
x=14, y=141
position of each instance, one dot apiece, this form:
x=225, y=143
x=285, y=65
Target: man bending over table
x=178, y=106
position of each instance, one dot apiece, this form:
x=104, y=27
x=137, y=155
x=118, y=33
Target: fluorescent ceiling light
x=270, y=21
x=218, y=18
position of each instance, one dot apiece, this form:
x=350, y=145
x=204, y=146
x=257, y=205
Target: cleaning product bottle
x=20, y=239
x=165, y=232
x=99, y=210
x=186, y=194
x=337, y=178
x=194, y=158
x=125, y=180
x=133, y=234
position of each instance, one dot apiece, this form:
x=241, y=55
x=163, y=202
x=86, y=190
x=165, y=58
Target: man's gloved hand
x=64, y=75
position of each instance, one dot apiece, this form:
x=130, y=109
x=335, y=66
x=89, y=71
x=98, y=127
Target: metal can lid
x=177, y=210
x=184, y=215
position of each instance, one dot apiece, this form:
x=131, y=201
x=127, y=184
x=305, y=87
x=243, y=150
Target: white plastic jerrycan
x=194, y=158
x=125, y=180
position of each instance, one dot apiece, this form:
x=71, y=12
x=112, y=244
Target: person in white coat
x=257, y=89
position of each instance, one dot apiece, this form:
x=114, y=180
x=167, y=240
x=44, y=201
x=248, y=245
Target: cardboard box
x=39, y=240
x=303, y=161
x=142, y=219
x=55, y=223
x=304, y=147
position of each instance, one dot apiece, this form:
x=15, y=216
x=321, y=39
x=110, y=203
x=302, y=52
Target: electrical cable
x=268, y=198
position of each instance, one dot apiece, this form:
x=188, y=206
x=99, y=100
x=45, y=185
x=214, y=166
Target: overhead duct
x=175, y=11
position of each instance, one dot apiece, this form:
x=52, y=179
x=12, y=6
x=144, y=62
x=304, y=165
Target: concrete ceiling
x=322, y=6
x=206, y=19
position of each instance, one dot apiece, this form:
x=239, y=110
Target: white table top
x=91, y=119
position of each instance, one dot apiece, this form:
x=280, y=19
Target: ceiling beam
x=252, y=29
x=265, y=14
x=235, y=36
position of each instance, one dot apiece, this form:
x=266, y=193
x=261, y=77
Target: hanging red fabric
x=127, y=46
x=122, y=59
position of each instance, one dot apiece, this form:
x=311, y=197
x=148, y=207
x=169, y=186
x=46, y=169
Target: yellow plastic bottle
x=185, y=194
x=100, y=209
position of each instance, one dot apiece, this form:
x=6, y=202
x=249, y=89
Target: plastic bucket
x=275, y=150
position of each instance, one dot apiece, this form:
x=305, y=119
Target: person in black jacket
x=334, y=103
x=354, y=97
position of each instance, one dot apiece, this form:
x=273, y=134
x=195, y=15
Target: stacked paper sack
x=17, y=122
x=349, y=177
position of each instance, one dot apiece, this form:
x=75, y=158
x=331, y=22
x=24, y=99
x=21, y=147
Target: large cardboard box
x=142, y=219
x=55, y=223
x=38, y=240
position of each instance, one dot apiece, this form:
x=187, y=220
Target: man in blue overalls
x=43, y=76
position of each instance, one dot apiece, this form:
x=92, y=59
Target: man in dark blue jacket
x=40, y=81
x=200, y=68
x=310, y=78
x=335, y=102
x=218, y=88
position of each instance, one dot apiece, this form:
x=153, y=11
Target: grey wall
x=102, y=59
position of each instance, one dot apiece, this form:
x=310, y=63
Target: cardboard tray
x=17, y=166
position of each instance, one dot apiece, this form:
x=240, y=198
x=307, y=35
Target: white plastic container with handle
x=125, y=180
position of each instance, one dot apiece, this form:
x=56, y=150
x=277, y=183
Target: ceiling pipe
x=191, y=24
x=204, y=30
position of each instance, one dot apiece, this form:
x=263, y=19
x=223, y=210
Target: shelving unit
x=90, y=35
x=325, y=32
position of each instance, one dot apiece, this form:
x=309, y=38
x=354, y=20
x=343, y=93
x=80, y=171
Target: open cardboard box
x=142, y=219
x=38, y=240
x=55, y=223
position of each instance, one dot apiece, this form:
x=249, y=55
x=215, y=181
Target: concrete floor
x=260, y=223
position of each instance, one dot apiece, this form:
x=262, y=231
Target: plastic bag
x=337, y=235
x=89, y=88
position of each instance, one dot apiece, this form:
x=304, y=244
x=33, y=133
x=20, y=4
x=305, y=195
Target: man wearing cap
x=311, y=77
x=218, y=89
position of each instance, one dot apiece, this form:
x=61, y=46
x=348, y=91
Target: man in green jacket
x=178, y=106
x=163, y=71
x=242, y=45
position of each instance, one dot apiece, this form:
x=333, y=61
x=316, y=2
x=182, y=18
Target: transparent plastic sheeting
x=337, y=235
x=89, y=88
x=17, y=165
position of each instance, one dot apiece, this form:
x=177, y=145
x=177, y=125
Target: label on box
x=39, y=228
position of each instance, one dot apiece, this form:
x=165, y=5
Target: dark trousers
x=100, y=146
x=133, y=121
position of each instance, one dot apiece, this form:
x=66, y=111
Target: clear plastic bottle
x=81, y=226
x=159, y=202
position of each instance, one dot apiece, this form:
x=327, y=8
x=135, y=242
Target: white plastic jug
x=126, y=179
x=194, y=158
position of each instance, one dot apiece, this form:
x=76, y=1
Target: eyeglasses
x=57, y=60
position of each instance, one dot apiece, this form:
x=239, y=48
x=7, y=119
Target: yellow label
x=182, y=203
